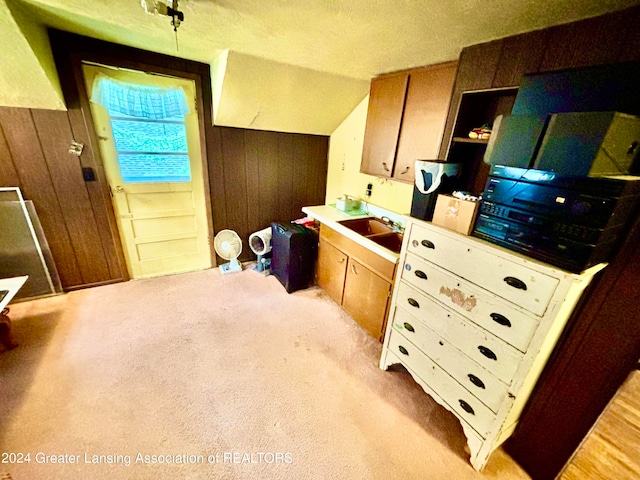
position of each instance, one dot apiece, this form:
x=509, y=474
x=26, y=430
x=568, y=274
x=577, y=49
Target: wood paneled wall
x=34, y=156
x=602, y=342
x=606, y=39
x=258, y=177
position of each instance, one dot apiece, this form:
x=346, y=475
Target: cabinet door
x=365, y=297
x=384, y=118
x=425, y=113
x=332, y=267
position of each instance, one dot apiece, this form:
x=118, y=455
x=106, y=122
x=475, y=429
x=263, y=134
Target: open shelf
x=482, y=141
x=476, y=109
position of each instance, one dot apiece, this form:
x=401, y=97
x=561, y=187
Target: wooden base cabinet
x=355, y=278
x=332, y=270
x=366, y=296
x=474, y=325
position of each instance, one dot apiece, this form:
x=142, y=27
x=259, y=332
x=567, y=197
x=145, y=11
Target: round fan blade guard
x=228, y=245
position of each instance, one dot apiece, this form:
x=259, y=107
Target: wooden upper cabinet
x=405, y=120
x=425, y=113
x=384, y=118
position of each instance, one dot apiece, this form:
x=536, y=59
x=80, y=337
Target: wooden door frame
x=71, y=50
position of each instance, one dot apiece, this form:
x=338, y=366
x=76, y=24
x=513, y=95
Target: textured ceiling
x=283, y=65
x=353, y=38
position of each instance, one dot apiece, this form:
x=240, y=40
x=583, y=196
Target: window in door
x=151, y=150
x=148, y=127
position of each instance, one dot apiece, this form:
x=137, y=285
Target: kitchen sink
x=392, y=241
x=377, y=231
x=367, y=226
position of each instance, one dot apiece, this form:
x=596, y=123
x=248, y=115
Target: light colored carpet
x=204, y=364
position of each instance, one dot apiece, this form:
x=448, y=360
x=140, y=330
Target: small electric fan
x=228, y=245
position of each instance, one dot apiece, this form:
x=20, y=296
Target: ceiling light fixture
x=165, y=7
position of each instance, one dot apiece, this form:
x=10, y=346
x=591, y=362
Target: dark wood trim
x=84, y=131
x=205, y=123
x=96, y=284
x=70, y=51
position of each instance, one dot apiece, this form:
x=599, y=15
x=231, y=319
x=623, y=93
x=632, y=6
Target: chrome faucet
x=394, y=225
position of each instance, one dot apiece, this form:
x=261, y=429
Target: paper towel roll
x=260, y=241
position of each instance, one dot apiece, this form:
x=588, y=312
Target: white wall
x=345, y=155
x=265, y=95
x=28, y=76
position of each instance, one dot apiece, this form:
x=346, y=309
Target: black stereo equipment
x=570, y=222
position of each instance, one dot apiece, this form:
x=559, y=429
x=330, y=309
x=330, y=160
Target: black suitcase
x=293, y=253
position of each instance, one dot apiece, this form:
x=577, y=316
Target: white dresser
x=474, y=324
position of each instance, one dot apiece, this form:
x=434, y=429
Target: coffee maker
x=433, y=177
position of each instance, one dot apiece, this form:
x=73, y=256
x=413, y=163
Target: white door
x=154, y=170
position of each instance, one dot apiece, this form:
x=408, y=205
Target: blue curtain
x=153, y=103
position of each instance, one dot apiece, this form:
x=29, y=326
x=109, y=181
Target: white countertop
x=330, y=216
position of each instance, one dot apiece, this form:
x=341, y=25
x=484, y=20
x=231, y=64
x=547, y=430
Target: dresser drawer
x=479, y=345
x=465, y=405
x=501, y=318
x=475, y=379
x=464, y=257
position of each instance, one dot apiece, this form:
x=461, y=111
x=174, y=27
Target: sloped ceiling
x=283, y=58
x=27, y=72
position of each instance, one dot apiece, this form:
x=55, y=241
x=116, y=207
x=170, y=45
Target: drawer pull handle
x=501, y=319
x=515, y=283
x=476, y=381
x=421, y=274
x=403, y=350
x=466, y=407
x=409, y=327
x=413, y=303
x=487, y=353
x=428, y=244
